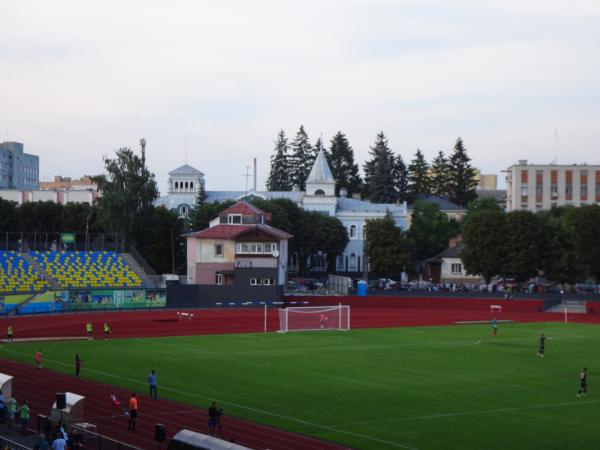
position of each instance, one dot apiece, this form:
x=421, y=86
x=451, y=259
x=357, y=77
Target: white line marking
x=466, y=413
x=236, y=405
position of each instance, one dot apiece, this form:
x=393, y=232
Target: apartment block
x=536, y=187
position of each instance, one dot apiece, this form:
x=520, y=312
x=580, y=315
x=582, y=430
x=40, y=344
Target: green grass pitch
x=426, y=388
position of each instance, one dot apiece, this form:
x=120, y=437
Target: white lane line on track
x=236, y=405
x=466, y=413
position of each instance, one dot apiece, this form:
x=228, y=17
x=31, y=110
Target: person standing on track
x=106, y=331
x=582, y=383
x=9, y=334
x=152, y=383
x=89, y=330
x=78, y=362
x=38, y=359
x=542, y=345
x=133, y=411
x=214, y=419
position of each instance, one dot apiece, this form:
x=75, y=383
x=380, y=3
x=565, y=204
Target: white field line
x=466, y=413
x=236, y=405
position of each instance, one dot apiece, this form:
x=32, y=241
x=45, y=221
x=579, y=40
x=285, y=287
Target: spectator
x=116, y=404
x=59, y=442
x=11, y=409
x=24, y=414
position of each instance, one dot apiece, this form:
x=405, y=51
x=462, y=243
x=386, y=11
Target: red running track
x=164, y=323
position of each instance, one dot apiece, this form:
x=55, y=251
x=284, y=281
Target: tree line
x=387, y=178
x=561, y=244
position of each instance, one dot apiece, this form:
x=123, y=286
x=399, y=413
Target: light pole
x=87, y=230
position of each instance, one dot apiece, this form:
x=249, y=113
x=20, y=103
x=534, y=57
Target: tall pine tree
x=401, y=179
x=418, y=178
x=380, y=171
x=439, y=175
x=300, y=161
x=343, y=167
x=279, y=178
x=461, y=176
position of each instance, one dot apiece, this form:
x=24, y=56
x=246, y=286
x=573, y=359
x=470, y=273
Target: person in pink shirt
x=38, y=359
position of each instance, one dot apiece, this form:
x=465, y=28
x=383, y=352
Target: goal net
x=314, y=318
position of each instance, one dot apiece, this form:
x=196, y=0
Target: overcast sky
x=79, y=79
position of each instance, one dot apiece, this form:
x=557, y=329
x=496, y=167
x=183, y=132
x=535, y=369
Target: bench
x=495, y=308
x=181, y=315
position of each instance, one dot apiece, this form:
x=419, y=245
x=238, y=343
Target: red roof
x=231, y=232
x=243, y=208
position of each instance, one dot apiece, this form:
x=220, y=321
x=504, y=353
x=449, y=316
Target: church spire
x=320, y=172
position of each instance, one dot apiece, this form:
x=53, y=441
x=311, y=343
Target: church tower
x=320, y=187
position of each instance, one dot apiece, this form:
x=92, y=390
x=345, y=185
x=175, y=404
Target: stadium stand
x=16, y=275
x=87, y=269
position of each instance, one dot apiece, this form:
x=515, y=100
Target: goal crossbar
x=314, y=318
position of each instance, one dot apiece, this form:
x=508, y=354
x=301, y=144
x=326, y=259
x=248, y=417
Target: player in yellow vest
x=89, y=331
x=106, y=330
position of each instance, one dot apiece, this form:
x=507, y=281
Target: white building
x=535, y=187
x=319, y=196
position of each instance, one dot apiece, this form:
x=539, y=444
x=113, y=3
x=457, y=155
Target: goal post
x=314, y=318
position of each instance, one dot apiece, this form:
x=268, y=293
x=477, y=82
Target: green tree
x=380, y=172
x=461, y=176
x=418, y=178
x=128, y=191
x=386, y=247
x=525, y=238
x=200, y=196
x=484, y=238
x=160, y=240
x=300, y=159
x=319, y=233
x=9, y=216
x=279, y=176
x=584, y=223
x=41, y=217
x=76, y=217
x=560, y=262
x=343, y=168
x=429, y=231
x=401, y=179
x=439, y=175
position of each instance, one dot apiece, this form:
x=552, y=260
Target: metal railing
x=34, y=241
x=7, y=444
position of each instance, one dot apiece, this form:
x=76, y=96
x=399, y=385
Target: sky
x=212, y=83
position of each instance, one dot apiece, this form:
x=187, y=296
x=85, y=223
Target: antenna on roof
x=247, y=177
x=143, y=145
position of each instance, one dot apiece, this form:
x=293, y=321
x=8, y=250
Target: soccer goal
x=314, y=318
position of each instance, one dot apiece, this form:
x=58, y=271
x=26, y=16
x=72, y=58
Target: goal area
x=314, y=318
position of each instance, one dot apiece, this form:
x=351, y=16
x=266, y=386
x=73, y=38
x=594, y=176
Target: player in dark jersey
x=542, y=344
x=582, y=383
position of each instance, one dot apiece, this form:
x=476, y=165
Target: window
x=353, y=231
x=219, y=278
x=352, y=264
x=524, y=191
x=319, y=192
x=184, y=209
x=554, y=190
x=456, y=268
x=254, y=282
x=253, y=248
x=268, y=248
x=218, y=249
x=176, y=185
x=234, y=219
x=268, y=282
x=191, y=185
x=584, y=191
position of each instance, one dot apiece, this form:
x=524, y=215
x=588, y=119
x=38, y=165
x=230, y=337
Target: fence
x=33, y=241
x=7, y=444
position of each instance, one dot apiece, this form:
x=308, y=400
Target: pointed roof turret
x=320, y=172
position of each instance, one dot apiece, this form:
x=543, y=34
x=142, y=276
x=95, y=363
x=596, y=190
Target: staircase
x=54, y=285
x=572, y=307
x=149, y=280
